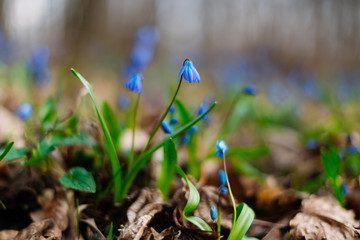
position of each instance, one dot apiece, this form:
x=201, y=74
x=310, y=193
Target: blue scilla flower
x=166, y=127
x=250, y=90
x=147, y=35
x=352, y=149
x=173, y=121
x=189, y=72
x=38, y=64
x=213, y=213
x=203, y=108
x=223, y=189
x=222, y=177
x=193, y=130
x=221, y=148
x=172, y=109
x=24, y=111
x=185, y=139
x=123, y=101
x=134, y=83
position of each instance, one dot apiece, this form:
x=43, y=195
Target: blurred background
x=232, y=41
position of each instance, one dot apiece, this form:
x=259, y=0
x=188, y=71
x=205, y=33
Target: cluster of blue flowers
x=38, y=65
x=143, y=50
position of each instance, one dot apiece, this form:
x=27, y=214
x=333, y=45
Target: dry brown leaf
x=8, y=234
x=141, y=213
x=323, y=218
x=45, y=229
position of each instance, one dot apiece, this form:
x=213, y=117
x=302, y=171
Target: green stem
x=132, y=153
x=230, y=192
x=163, y=116
x=219, y=217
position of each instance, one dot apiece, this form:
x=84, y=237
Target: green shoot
x=108, y=139
x=77, y=217
x=243, y=220
x=110, y=231
x=192, y=203
x=6, y=150
x=168, y=168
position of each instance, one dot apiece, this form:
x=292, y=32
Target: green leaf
x=79, y=179
x=245, y=217
x=16, y=153
x=76, y=139
x=6, y=150
x=192, y=203
x=110, y=231
x=112, y=122
x=115, y=165
x=247, y=153
x=332, y=165
x=193, y=165
x=143, y=158
x=239, y=112
x=246, y=169
x=168, y=168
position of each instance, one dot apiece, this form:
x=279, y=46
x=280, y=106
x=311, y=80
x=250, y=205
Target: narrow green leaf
x=193, y=165
x=143, y=158
x=16, y=153
x=248, y=152
x=192, y=203
x=168, y=168
x=6, y=150
x=245, y=217
x=110, y=231
x=112, y=123
x=246, y=169
x=80, y=179
x=108, y=139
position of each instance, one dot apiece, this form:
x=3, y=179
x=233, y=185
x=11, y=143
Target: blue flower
x=223, y=189
x=193, y=130
x=38, y=64
x=172, y=109
x=213, y=213
x=221, y=148
x=222, y=177
x=203, y=108
x=24, y=111
x=250, y=90
x=352, y=149
x=148, y=36
x=123, y=101
x=189, y=72
x=134, y=83
x=185, y=139
x=349, y=139
x=311, y=144
x=166, y=127
x=173, y=121
x=344, y=189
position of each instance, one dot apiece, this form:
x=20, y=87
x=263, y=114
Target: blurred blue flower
x=311, y=89
x=222, y=177
x=173, y=121
x=352, y=149
x=213, y=213
x=344, y=189
x=185, y=139
x=134, y=83
x=193, y=130
x=123, y=101
x=38, y=65
x=24, y=111
x=311, y=144
x=172, y=109
x=349, y=139
x=250, y=90
x=147, y=35
x=277, y=93
x=221, y=148
x=202, y=109
x=166, y=127
x=223, y=189
x=189, y=72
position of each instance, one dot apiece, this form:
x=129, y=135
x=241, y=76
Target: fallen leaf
x=323, y=218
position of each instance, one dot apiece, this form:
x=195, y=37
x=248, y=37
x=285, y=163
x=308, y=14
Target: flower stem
x=163, y=116
x=133, y=120
x=230, y=192
x=218, y=216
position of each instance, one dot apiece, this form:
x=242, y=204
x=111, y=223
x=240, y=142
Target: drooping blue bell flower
x=213, y=213
x=173, y=121
x=250, y=90
x=223, y=189
x=222, y=177
x=172, y=109
x=221, y=148
x=193, y=130
x=134, y=83
x=166, y=127
x=203, y=108
x=189, y=72
x=24, y=111
x=352, y=149
x=185, y=139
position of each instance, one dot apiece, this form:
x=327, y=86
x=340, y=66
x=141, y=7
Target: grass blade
x=168, y=168
x=115, y=165
x=7, y=149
